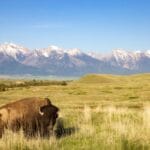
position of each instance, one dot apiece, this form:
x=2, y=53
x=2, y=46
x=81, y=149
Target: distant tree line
x=5, y=87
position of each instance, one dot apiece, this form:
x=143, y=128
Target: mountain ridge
x=69, y=62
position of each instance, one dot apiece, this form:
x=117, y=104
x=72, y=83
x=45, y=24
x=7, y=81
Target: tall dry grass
x=98, y=128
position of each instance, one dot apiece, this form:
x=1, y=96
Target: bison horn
x=40, y=112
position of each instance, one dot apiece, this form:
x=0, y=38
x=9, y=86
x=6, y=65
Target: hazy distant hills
x=53, y=60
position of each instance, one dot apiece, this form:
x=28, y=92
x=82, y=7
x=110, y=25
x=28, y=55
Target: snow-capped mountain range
x=15, y=59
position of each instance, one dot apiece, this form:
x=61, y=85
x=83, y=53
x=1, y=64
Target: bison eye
x=56, y=115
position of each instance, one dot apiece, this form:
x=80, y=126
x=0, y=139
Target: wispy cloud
x=47, y=25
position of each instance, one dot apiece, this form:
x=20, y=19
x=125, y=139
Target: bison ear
x=48, y=101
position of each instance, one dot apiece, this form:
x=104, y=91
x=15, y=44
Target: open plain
x=97, y=112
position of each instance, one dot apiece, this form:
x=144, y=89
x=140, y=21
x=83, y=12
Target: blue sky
x=97, y=25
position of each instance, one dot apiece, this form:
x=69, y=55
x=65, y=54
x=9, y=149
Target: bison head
x=49, y=114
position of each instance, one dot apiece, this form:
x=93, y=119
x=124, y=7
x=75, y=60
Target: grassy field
x=99, y=112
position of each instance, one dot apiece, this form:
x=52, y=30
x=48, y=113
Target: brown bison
x=34, y=116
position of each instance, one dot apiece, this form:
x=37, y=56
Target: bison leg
x=1, y=130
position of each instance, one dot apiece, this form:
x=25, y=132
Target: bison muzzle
x=34, y=116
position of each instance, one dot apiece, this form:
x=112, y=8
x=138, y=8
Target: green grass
x=106, y=111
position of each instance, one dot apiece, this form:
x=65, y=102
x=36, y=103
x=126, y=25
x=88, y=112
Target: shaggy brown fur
x=33, y=115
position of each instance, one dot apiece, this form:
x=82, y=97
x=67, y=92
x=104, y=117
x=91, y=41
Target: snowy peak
x=13, y=50
x=96, y=55
x=121, y=54
x=46, y=52
x=125, y=55
x=74, y=52
x=147, y=53
x=54, y=50
x=54, y=47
